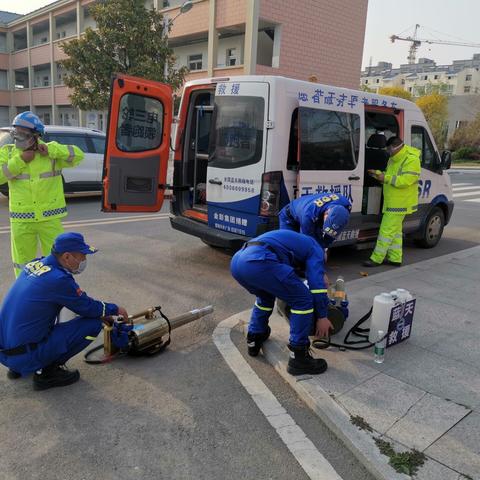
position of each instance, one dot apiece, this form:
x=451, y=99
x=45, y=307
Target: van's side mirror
x=446, y=162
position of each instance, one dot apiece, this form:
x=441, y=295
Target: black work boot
x=255, y=341
x=301, y=362
x=12, y=375
x=371, y=263
x=54, y=376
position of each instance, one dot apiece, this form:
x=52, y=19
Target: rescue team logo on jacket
x=37, y=268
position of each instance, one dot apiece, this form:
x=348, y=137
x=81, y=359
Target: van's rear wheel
x=433, y=229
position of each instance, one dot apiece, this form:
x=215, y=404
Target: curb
x=361, y=444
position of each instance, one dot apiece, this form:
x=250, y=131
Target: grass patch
x=360, y=422
x=405, y=462
x=466, y=162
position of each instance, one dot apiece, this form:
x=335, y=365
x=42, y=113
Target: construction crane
x=416, y=42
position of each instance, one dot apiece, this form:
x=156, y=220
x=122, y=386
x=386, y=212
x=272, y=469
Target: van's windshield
x=237, y=132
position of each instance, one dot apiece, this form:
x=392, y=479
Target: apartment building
x=462, y=77
x=215, y=38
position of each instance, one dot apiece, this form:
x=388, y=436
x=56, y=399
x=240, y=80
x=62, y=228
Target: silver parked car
x=86, y=177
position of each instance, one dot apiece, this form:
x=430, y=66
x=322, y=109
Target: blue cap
x=72, y=242
x=336, y=221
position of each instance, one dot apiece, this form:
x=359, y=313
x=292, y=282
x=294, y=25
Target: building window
x=466, y=89
x=425, y=77
x=195, y=62
x=436, y=77
x=231, y=59
x=468, y=78
x=366, y=81
x=403, y=81
x=409, y=89
x=377, y=80
x=449, y=77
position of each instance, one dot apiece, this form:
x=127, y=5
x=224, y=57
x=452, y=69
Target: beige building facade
x=215, y=38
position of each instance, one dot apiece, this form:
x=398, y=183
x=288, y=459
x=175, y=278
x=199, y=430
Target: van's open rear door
x=137, y=148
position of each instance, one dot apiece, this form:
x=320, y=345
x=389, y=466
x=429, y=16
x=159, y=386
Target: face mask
x=81, y=267
x=23, y=140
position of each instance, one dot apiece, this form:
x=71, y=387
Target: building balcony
x=228, y=71
x=4, y=97
x=21, y=97
x=42, y=96
x=62, y=95
x=191, y=23
x=4, y=61
x=40, y=54
x=20, y=59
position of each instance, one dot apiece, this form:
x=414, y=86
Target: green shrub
x=467, y=153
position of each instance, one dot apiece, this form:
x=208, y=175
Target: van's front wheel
x=433, y=229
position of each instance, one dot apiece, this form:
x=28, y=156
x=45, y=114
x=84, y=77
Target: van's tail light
x=270, y=194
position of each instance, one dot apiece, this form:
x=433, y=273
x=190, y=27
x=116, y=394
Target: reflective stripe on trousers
x=390, y=239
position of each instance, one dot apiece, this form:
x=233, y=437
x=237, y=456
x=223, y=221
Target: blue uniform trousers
x=64, y=341
x=258, y=270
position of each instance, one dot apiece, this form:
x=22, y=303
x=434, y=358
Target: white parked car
x=85, y=177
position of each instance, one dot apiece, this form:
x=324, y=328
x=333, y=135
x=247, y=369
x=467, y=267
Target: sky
x=450, y=20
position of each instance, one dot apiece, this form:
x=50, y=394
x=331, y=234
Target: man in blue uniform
x=265, y=266
x=31, y=340
x=322, y=216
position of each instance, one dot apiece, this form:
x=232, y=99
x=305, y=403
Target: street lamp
x=167, y=23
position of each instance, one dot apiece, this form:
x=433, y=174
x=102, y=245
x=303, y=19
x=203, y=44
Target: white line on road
x=461, y=189
x=310, y=459
x=475, y=200
x=93, y=222
x=460, y=184
x=466, y=194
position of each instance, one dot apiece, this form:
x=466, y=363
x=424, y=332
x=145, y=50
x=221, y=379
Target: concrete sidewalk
x=426, y=395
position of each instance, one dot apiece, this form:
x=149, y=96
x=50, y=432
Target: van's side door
x=137, y=147
x=331, y=157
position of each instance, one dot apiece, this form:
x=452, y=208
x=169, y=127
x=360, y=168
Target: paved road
x=182, y=414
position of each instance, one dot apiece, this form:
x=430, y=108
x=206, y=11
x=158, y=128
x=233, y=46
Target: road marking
x=476, y=200
x=460, y=184
x=95, y=222
x=310, y=459
x=461, y=189
x=466, y=194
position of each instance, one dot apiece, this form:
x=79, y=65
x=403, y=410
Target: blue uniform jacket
x=301, y=251
x=31, y=307
x=308, y=209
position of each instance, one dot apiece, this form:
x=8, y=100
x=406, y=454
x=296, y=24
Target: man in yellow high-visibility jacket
x=400, y=198
x=33, y=170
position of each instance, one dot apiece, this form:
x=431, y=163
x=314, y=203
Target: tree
x=395, y=92
x=466, y=136
x=435, y=109
x=366, y=88
x=129, y=39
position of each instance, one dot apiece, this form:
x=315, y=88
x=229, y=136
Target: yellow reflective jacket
x=36, y=188
x=400, y=187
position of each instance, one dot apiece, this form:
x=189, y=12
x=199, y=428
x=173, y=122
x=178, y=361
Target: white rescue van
x=246, y=146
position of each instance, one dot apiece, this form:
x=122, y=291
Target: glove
x=42, y=149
